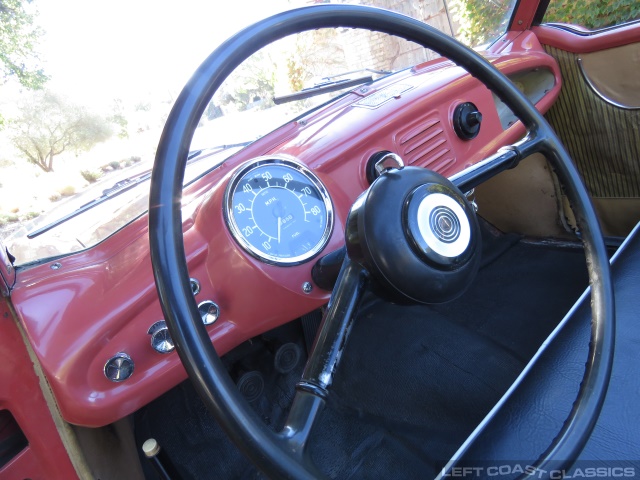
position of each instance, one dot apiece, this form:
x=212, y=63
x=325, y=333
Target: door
x=597, y=114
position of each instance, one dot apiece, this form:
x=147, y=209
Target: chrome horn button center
x=443, y=225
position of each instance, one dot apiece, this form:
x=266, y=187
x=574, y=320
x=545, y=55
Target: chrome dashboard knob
x=209, y=312
x=161, y=340
x=119, y=367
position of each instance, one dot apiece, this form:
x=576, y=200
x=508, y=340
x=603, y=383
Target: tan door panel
x=602, y=137
x=614, y=74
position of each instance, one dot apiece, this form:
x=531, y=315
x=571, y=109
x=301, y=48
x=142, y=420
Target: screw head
x=56, y=266
x=307, y=287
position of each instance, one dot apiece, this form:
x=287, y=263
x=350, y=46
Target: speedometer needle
x=279, y=223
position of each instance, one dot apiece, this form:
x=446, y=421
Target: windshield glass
x=83, y=104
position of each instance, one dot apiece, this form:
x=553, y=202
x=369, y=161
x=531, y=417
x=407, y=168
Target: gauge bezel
x=233, y=227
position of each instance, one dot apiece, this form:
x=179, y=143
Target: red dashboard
x=103, y=300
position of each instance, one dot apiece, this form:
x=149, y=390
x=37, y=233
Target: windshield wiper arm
x=329, y=84
x=117, y=189
x=123, y=186
x=195, y=154
x=120, y=187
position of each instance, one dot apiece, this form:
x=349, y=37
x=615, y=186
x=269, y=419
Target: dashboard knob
x=209, y=312
x=119, y=367
x=474, y=118
x=195, y=286
x=466, y=120
x=161, y=340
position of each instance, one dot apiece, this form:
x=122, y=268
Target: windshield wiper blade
x=329, y=84
x=122, y=186
x=195, y=154
x=320, y=89
x=117, y=189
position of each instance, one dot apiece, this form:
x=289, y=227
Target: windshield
x=81, y=119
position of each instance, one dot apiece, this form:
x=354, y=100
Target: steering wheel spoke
x=325, y=356
x=334, y=330
x=303, y=414
x=323, y=361
x=504, y=159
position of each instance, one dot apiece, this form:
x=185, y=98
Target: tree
x=481, y=21
x=49, y=124
x=119, y=119
x=593, y=14
x=251, y=85
x=317, y=53
x=484, y=20
x=18, y=39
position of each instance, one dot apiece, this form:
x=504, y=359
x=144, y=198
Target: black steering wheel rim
x=262, y=446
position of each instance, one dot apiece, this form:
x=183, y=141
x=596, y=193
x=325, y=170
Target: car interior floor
x=412, y=384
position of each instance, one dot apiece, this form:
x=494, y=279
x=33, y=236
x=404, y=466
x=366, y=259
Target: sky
x=136, y=50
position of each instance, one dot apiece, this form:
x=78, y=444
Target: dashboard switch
x=209, y=311
x=119, y=367
x=466, y=120
x=195, y=286
x=161, y=340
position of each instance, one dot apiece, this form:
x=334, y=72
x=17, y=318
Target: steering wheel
x=282, y=454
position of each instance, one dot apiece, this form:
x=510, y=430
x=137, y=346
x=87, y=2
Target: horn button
x=417, y=235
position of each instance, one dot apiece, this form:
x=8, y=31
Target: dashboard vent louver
x=425, y=144
x=433, y=66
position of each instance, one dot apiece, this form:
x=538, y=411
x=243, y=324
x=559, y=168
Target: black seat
x=521, y=430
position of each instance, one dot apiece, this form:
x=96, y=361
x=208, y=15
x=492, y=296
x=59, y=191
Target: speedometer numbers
x=278, y=211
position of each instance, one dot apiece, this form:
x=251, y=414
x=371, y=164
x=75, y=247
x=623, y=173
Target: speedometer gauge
x=278, y=211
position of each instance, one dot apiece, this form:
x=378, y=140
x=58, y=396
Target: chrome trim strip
x=600, y=94
x=7, y=272
x=4, y=286
x=588, y=33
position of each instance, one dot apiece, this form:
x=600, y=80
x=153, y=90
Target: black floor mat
x=414, y=380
